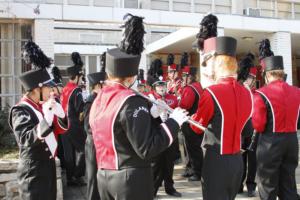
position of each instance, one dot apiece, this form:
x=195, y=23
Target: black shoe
x=173, y=193
x=240, y=190
x=186, y=174
x=251, y=193
x=80, y=181
x=194, y=178
x=72, y=182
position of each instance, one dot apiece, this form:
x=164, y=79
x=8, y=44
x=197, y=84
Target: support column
x=281, y=46
x=237, y=7
x=44, y=35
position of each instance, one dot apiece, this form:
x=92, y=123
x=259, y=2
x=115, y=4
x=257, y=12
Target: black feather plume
x=103, y=62
x=208, y=29
x=76, y=58
x=244, y=67
x=133, y=36
x=170, y=59
x=140, y=76
x=155, y=69
x=184, y=59
x=265, y=49
x=56, y=75
x=36, y=55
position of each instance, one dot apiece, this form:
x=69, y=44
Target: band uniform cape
x=36, y=168
x=128, y=138
x=276, y=117
x=74, y=138
x=224, y=108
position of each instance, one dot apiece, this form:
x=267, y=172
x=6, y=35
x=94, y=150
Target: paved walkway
x=189, y=190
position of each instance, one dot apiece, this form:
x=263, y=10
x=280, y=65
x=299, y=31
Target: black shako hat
x=98, y=77
x=273, y=63
x=124, y=61
x=268, y=61
x=76, y=69
x=220, y=46
x=39, y=76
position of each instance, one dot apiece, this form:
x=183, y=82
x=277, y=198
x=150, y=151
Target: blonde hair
x=225, y=66
x=277, y=74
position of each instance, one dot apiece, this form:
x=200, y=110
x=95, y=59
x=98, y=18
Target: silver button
x=50, y=157
x=47, y=149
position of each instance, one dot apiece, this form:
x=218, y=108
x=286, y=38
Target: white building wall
x=44, y=35
x=281, y=45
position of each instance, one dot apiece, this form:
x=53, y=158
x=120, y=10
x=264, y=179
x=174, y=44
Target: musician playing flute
x=124, y=132
x=224, y=108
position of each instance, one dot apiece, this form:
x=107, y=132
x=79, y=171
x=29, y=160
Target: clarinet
x=253, y=141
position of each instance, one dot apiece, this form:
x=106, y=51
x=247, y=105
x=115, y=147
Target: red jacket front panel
x=189, y=96
x=102, y=118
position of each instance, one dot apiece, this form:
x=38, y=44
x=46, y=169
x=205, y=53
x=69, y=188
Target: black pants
x=221, y=175
x=277, y=160
x=126, y=184
x=91, y=169
x=74, y=158
x=193, y=149
x=37, y=179
x=249, y=159
x=163, y=168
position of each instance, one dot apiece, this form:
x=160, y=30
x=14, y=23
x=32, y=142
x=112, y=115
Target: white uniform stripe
x=167, y=130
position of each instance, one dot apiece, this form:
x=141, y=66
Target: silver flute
x=168, y=109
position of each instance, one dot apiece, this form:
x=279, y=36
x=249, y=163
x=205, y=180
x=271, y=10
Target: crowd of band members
x=218, y=163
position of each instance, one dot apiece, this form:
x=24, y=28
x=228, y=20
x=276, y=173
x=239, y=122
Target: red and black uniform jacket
x=276, y=108
x=125, y=135
x=190, y=97
x=224, y=109
x=72, y=103
x=25, y=124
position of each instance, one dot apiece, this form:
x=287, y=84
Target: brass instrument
x=168, y=109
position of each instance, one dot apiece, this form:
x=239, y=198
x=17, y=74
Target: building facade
x=90, y=27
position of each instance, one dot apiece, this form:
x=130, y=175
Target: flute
x=168, y=109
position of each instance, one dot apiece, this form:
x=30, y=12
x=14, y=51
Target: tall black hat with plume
x=268, y=61
x=140, y=77
x=124, y=60
x=155, y=73
x=57, y=78
x=170, y=62
x=184, y=59
x=76, y=69
x=245, y=65
x=209, y=43
x=38, y=77
x=98, y=77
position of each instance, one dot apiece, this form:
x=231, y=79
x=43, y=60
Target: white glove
x=48, y=112
x=164, y=116
x=179, y=115
x=58, y=110
x=155, y=110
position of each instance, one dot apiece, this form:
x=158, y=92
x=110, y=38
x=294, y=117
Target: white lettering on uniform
x=141, y=108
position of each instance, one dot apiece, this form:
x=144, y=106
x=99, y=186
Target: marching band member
x=31, y=121
x=74, y=139
x=163, y=165
x=190, y=97
x=224, y=108
x=141, y=82
x=174, y=83
x=275, y=116
x=96, y=81
x=129, y=137
x=247, y=76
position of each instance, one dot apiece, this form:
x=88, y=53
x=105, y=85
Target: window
x=12, y=37
x=131, y=4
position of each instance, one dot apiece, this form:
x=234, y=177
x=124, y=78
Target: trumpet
x=168, y=109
